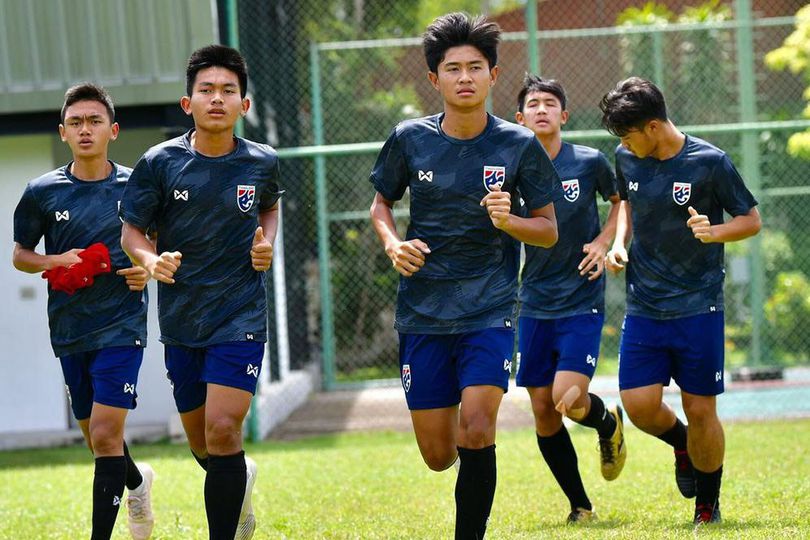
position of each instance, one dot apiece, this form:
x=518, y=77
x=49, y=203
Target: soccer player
x=459, y=261
x=674, y=189
x=99, y=331
x=562, y=301
x=213, y=198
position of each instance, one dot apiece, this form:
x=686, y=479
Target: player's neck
x=213, y=144
x=670, y=143
x=91, y=169
x=552, y=144
x=464, y=124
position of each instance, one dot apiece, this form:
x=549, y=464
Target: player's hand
x=593, y=264
x=163, y=267
x=136, y=277
x=408, y=257
x=616, y=259
x=499, y=206
x=700, y=226
x=68, y=259
x=261, y=253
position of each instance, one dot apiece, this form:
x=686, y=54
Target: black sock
x=224, y=492
x=599, y=418
x=676, y=436
x=134, y=477
x=708, y=486
x=561, y=457
x=203, y=461
x=475, y=490
x=108, y=488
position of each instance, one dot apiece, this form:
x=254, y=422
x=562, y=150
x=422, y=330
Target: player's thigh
x=184, y=368
x=537, y=356
x=643, y=403
x=644, y=357
x=79, y=385
x=428, y=371
x=578, y=339
x=436, y=432
x=699, y=352
x=114, y=373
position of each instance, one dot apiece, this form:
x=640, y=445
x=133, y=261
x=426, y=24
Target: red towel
x=95, y=261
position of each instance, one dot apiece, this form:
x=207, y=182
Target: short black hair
x=533, y=83
x=633, y=103
x=88, y=92
x=456, y=29
x=217, y=56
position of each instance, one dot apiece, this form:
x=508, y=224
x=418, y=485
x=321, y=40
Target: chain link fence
x=330, y=87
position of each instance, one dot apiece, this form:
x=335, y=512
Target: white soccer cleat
x=247, y=519
x=139, y=505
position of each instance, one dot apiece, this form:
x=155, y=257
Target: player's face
x=464, y=77
x=87, y=129
x=640, y=142
x=215, y=102
x=542, y=113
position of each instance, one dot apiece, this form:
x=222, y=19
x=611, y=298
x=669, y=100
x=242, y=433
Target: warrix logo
x=129, y=388
x=507, y=365
x=253, y=370
x=62, y=216
x=632, y=186
x=180, y=195
x=426, y=176
x=591, y=360
x=718, y=376
x=116, y=500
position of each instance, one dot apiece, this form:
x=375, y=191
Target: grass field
x=374, y=486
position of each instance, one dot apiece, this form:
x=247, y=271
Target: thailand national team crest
x=681, y=191
x=245, y=196
x=494, y=176
x=406, y=377
x=571, y=189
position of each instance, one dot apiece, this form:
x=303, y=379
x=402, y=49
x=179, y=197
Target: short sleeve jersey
x=672, y=274
x=551, y=286
x=207, y=209
x=469, y=280
x=71, y=213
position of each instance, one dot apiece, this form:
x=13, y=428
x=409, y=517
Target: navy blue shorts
x=689, y=350
x=435, y=368
x=106, y=376
x=236, y=364
x=546, y=346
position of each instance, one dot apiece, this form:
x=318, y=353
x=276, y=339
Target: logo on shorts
x=681, y=191
x=245, y=196
x=507, y=365
x=494, y=176
x=116, y=500
x=406, y=377
x=129, y=388
x=571, y=189
x=632, y=186
x=591, y=360
x=718, y=376
x=253, y=370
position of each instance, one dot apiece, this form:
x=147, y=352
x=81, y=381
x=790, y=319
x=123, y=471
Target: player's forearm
x=268, y=221
x=538, y=231
x=140, y=250
x=608, y=232
x=382, y=219
x=29, y=261
x=624, y=225
x=737, y=228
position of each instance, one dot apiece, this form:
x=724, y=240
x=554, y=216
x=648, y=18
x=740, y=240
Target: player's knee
x=440, y=459
x=700, y=411
x=476, y=431
x=547, y=420
x=641, y=413
x=222, y=433
x=106, y=438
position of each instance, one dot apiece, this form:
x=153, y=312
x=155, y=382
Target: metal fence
x=330, y=88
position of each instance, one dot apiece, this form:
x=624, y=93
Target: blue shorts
x=106, y=376
x=689, y=350
x=435, y=368
x=546, y=346
x=236, y=364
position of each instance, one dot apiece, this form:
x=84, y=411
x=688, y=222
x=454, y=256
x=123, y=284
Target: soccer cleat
x=685, y=474
x=706, y=513
x=613, y=451
x=581, y=515
x=139, y=505
x=247, y=519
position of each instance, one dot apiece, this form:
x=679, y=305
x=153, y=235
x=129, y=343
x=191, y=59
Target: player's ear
x=434, y=79
x=245, y=106
x=115, y=128
x=62, y=133
x=493, y=75
x=520, y=119
x=563, y=118
x=185, y=104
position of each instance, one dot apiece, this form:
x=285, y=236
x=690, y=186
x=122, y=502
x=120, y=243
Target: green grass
x=374, y=486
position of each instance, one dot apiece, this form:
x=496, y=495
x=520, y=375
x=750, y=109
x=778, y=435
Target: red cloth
x=95, y=261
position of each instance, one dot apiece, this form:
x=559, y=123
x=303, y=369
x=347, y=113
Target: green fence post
x=751, y=166
x=531, y=39
x=322, y=206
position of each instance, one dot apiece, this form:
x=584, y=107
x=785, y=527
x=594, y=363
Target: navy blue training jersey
x=551, y=286
x=469, y=280
x=207, y=209
x=71, y=213
x=671, y=273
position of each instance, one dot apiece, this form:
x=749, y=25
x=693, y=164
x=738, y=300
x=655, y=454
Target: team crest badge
x=245, y=196
x=406, y=377
x=494, y=176
x=571, y=189
x=681, y=191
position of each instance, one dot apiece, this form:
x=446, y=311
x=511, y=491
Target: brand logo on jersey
x=62, y=216
x=406, y=377
x=137, y=342
x=507, y=323
x=426, y=176
x=249, y=336
x=494, y=176
x=245, y=196
x=632, y=186
x=507, y=365
x=681, y=191
x=129, y=388
x=116, y=500
x=253, y=370
x=571, y=189
x=180, y=195
x=591, y=360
